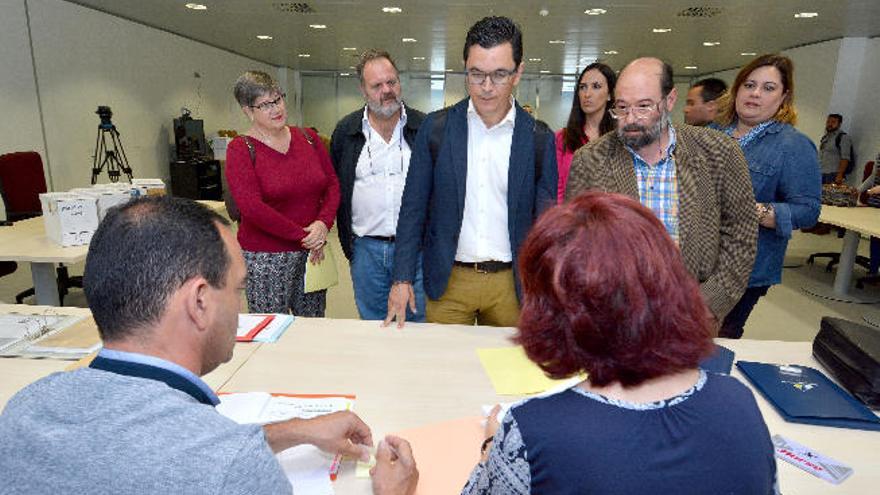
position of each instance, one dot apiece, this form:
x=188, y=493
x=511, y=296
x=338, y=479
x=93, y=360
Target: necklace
x=265, y=137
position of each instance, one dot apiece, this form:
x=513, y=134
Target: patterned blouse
x=509, y=468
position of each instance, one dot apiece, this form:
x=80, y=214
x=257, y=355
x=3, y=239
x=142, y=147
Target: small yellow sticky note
x=363, y=468
x=512, y=373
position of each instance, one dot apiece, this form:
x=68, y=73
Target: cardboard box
x=148, y=187
x=70, y=219
x=107, y=197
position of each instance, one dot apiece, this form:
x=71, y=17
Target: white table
x=26, y=241
x=856, y=221
x=430, y=373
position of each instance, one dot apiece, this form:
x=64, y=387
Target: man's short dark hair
x=837, y=116
x=370, y=55
x=666, y=82
x=710, y=88
x=492, y=31
x=142, y=252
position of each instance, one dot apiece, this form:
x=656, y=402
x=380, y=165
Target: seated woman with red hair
x=605, y=292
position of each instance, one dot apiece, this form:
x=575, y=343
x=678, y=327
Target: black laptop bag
x=851, y=353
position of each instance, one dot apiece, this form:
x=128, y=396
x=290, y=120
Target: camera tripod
x=112, y=157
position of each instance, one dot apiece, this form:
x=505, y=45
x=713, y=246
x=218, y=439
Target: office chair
x=835, y=257
x=22, y=180
x=6, y=267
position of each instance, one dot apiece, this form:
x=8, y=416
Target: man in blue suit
x=480, y=174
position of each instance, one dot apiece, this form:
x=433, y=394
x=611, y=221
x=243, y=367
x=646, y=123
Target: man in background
x=695, y=180
x=371, y=149
x=700, y=106
x=835, y=151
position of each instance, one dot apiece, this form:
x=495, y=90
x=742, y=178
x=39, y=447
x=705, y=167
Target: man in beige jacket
x=695, y=179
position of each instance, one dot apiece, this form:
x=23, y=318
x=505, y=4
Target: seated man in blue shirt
x=164, y=278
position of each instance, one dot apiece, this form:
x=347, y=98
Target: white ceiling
x=440, y=27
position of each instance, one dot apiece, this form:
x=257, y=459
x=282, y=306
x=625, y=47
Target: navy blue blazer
x=432, y=208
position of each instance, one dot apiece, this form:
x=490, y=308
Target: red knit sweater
x=280, y=194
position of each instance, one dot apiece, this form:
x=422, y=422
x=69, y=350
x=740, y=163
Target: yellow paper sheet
x=512, y=373
x=322, y=275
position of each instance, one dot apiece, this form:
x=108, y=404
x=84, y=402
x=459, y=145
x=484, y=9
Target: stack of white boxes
x=71, y=218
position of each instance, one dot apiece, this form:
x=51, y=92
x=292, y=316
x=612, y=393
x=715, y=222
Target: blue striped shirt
x=658, y=186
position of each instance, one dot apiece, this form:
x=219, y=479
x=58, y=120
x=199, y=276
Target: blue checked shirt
x=658, y=186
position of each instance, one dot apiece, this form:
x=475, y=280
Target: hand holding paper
x=341, y=432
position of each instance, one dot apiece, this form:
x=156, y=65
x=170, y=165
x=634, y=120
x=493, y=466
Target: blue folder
x=721, y=361
x=805, y=395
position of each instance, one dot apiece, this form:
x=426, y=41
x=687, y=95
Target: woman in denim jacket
x=759, y=113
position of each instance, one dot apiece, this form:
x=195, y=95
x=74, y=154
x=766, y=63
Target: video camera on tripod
x=110, y=155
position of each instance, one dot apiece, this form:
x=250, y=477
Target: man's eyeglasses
x=499, y=77
x=269, y=105
x=640, y=110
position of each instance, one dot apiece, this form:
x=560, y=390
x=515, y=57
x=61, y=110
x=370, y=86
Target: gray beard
x=648, y=135
x=384, y=111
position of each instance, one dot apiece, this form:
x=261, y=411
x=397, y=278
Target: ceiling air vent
x=700, y=12
x=294, y=7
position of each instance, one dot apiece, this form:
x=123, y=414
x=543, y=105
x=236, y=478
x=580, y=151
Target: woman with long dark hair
x=589, y=117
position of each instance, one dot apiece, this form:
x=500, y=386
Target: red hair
x=605, y=291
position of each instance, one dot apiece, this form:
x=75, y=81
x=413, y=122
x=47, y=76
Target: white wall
x=814, y=72
x=863, y=124
x=85, y=58
x=20, y=121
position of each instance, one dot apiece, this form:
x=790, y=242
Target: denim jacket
x=784, y=168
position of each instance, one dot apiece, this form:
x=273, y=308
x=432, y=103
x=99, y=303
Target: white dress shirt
x=378, y=181
x=484, y=233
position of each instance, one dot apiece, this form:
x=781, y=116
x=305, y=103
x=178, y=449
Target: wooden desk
x=26, y=241
x=856, y=221
x=430, y=373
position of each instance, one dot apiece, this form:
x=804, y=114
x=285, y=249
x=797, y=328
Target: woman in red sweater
x=284, y=185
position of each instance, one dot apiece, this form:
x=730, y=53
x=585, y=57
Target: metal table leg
x=45, y=284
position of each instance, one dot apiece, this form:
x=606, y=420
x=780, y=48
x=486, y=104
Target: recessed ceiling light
x=610, y=52
x=349, y=49
x=318, y=26
x=711, y=43
x=806, y=15
x=748, y=54
x=263, y=37
x=534, y=59
x=352, y=67
x=557, y=42
x=690, y=67
x=392, y=10
x=545, y=72
x=409, y=40
x=662, y=30
x=595, y=11
x=196, y=6
x=449, y=70
x=418, y=58
x=344, y=74
x=304, y=55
